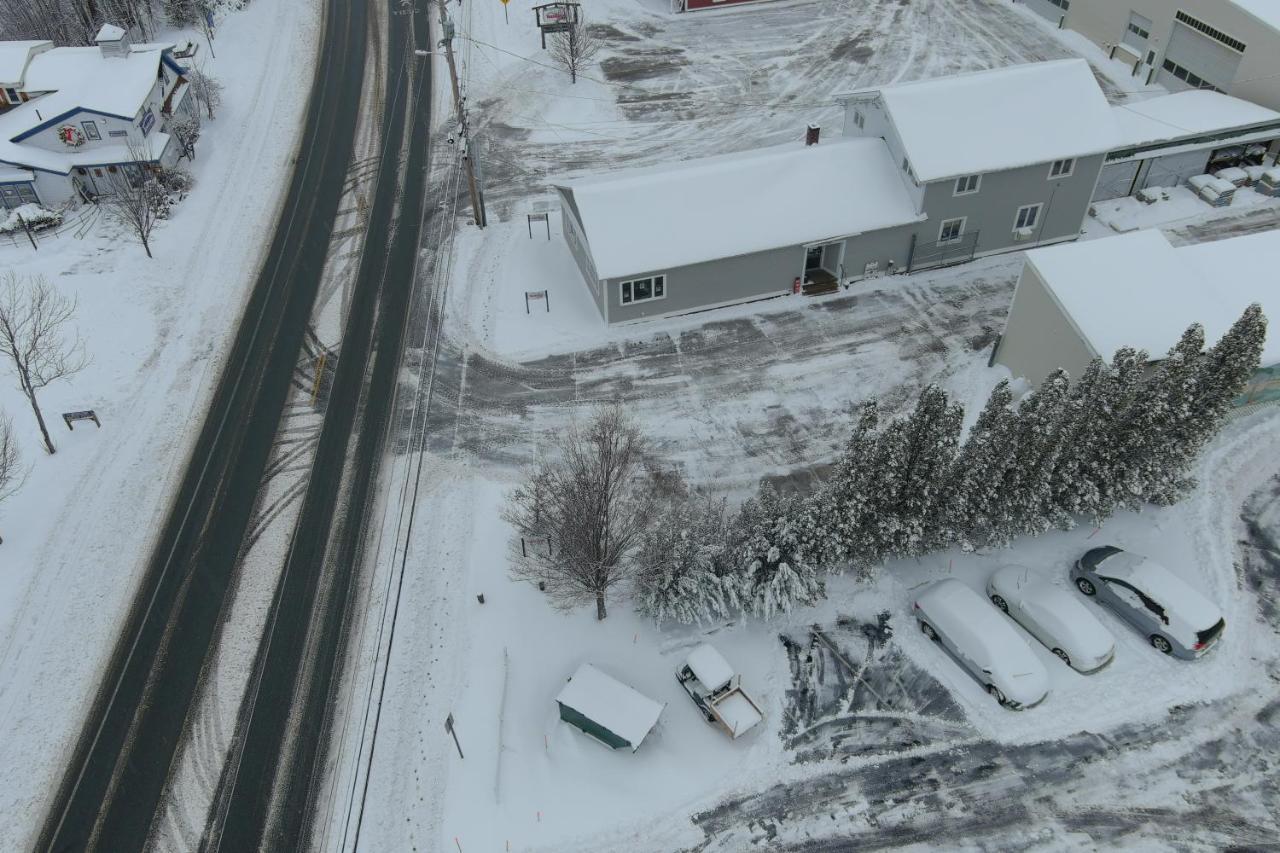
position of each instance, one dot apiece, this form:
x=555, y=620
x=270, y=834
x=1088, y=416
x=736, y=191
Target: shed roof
x=14, y=56
x=1182, y=115
x=1137, y=290
x=1002, y=118
x=659, y=217
x=603, y=699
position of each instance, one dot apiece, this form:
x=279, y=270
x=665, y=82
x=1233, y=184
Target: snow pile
x=33, y=215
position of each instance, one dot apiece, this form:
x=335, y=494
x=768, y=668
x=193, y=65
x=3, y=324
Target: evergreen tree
x=916, y=453
x=1100, y=448
x=1025, y=497
x=183, y=13
x=774, y=573
x=680, y=564
x=973, y=488
x=1228, y=367
x=844, y=502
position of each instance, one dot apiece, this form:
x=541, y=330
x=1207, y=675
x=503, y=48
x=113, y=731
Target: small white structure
x=1086, y=300
x=606, y=709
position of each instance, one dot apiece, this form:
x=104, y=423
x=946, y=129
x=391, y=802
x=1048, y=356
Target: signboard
x=87, y=415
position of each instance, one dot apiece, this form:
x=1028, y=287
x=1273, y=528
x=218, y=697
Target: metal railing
x=943, y=253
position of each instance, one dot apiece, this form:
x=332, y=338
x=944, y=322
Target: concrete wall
x=993, y=209
x=720, y=282
x=1038, y=338
x=1104, y=21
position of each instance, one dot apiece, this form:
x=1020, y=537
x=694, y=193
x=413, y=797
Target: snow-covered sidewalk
x=79, y=532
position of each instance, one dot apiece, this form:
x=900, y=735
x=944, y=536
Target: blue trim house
x=71, y=118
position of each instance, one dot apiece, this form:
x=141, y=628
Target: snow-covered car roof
x=1171, y=591
x=1058, y=611
x=709, y=666
x=977, y=627
x=603, y=699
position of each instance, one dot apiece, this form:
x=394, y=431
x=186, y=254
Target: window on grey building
x=643, y=289
x=1062, y=168
x=1190, y=77
x=91, y=129
x=12, y=96
x=1028, y=216
x=967, y=184
x=1138, y=31
x=951, y=230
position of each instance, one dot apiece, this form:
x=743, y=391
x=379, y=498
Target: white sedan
x=1054, y=617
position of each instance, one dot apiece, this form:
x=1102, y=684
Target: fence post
x=27, y=228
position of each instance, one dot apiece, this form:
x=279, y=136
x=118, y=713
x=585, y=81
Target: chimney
x=112, y=41
x=811, y=134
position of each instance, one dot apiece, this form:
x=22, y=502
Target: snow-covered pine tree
x=1023, y=506
x=1228, y=367
x=972, y=494
x=1154, y=436
x=840, y=508
x=774, y=574
x=1099, y=446
x=917, y=453
x=680, y=566
x=182, y=13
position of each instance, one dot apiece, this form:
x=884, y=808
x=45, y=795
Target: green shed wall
x=591, y=727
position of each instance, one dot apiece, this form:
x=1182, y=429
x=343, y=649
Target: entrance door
x=813, y=258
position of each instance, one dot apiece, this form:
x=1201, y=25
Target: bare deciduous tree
x=574, y=49
x=591, y=501
x=72, y=22
x=186, y=129
x=135, y=198
x=207, y=90
x=11, y=473
x=33, y=336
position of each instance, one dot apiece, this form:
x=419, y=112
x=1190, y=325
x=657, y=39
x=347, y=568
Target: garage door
x=1174, y=170
x=1116, y=180
x=1195, y=59
x=1053, y=10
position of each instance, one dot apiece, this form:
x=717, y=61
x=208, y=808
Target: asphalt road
x=111, y=790
x=266, y=790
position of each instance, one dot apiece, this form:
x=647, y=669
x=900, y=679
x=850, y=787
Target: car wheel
x=1000, y=602
x=1060, y=653
x=928, y=631
x=1085, y=586
x=1162, y=645
x=995, y=693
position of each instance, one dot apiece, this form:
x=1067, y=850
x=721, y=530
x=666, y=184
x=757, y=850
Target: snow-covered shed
x=1170, y=138
x=1087, y=300
x=618, y=716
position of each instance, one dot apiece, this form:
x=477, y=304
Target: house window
x=643, y=289
x=91, y=129
x=1191, y=78
x=951, y=230
x=968, y=184
x=1062, y=168
x=906, y=166
x=148, y=121
x=1028, y=216
x=859, y=119
x=1139, y=26
x=12, y=95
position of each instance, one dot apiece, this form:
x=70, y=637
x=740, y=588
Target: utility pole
x=477, y=201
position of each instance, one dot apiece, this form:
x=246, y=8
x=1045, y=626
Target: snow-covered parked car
x=715, y=688
x=1052, y=616
x=977, y=636
x=1173, y=617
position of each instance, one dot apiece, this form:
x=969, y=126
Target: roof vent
x=112, y=41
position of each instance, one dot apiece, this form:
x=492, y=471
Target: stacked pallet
x=1214, y=190
x=1269, y=182
x=1237, y=176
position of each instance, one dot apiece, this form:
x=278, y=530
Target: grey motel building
x=925, y=174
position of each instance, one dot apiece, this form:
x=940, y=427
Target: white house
x=74, y=116
x=1078, y=302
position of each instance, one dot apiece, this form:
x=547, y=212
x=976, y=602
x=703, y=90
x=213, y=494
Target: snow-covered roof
x=709, y=666
x=109, y=32
x=1137, y=290
x=603, y=699
x=1003, y=118
x=83, y=77
x=659, y=217
x=14, y=56
x=1187, y=114
x=1266, y=11
x=9, y=175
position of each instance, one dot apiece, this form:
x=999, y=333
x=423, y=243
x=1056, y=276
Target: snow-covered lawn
x=79, y=532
